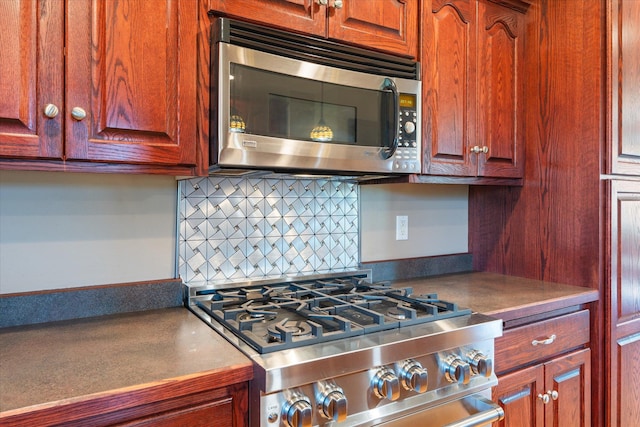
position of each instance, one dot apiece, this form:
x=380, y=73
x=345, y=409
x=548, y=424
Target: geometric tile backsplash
x=236, y=228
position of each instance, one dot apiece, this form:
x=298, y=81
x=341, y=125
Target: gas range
x=340, y=349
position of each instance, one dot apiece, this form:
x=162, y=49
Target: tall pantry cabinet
x=576, y=219
x=622, y=216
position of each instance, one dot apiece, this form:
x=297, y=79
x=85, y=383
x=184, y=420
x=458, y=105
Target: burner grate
x=290, y=315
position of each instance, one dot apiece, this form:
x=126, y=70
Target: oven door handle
x=491, y=415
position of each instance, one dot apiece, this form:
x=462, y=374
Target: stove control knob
x=456, y=370
x=480, y=364
x=386, y=385
x=297, y=411
x=413, y=376
x=332, y=403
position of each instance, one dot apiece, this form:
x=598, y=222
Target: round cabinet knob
x=457, y=370
x=297, y=411
x=480, y=364
x=409, y=127
x=78, y=113
x=413, y=376
x=51, y=111
x=386, y=385
x=476, y=149
x=337, y=4
x=544, y=398
x=333, y=404
x=323, y=2
x=553, y=394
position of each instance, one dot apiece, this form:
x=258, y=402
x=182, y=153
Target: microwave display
x=283, y=106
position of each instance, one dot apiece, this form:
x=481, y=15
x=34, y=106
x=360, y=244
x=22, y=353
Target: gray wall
x=62, y=230
x=65, y=230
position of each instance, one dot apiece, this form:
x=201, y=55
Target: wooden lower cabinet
x=555, y=393
x=225, y=406
x=544, y=371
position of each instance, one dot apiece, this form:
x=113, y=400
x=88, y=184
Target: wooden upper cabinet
x=386, y=25
x=304, y=16
x=473, y=84
x=131, y=67
x=625, y=87
x=31, y=77
x=500, y=76
x=122, y=76
x=449, y=86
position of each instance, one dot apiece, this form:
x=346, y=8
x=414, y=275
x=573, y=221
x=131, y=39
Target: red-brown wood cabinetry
x=622, y=323
x=386, y=25
x=188, y=405
x=104, y=82
x=544, y=373
x=556, y=393
x=624, y=149
x=473, y=80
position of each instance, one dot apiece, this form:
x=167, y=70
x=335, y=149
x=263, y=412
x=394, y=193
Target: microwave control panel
x=407, y=156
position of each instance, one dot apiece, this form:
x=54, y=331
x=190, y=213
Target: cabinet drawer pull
x=548, y=341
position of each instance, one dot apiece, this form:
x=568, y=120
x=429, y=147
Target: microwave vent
x=313, y=49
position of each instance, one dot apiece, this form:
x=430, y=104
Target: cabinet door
x=517, y=393
x=387, y=25
x=500, y=128
x=449, y=86
x=623, y=301
x=131, y=67
x=306, y=16
x=625, y=87
x=570, y=377
x=31, y=76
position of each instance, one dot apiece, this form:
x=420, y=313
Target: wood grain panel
x=386, y=25
x=628, y=255
x=625, y=88
x=135, y=78
x=31, y=76
x=549, y=228
x=449, y=104
x=570, y=377
x=623, y=303
x=304, y=16
x=517, y=394
x=500, y=71
x=628, y=379
x=515, y=347
x=177, y=402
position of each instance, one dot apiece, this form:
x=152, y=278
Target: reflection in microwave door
x=236, y=124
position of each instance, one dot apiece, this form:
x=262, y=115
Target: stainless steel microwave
x=286, y=102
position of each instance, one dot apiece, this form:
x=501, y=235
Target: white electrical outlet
x=402, y=227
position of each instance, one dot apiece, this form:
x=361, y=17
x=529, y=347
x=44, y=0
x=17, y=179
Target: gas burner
x=281, y=331
x=254, y=315
x=397, y=313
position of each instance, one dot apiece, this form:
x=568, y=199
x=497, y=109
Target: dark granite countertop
x=53, y=363
x=60, y=362
x=503, y=297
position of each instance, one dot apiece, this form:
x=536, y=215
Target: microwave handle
x=389, y=85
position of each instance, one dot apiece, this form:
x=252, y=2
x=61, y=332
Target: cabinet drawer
x=541, y=340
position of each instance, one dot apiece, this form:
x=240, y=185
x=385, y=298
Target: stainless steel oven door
x=470, y=411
